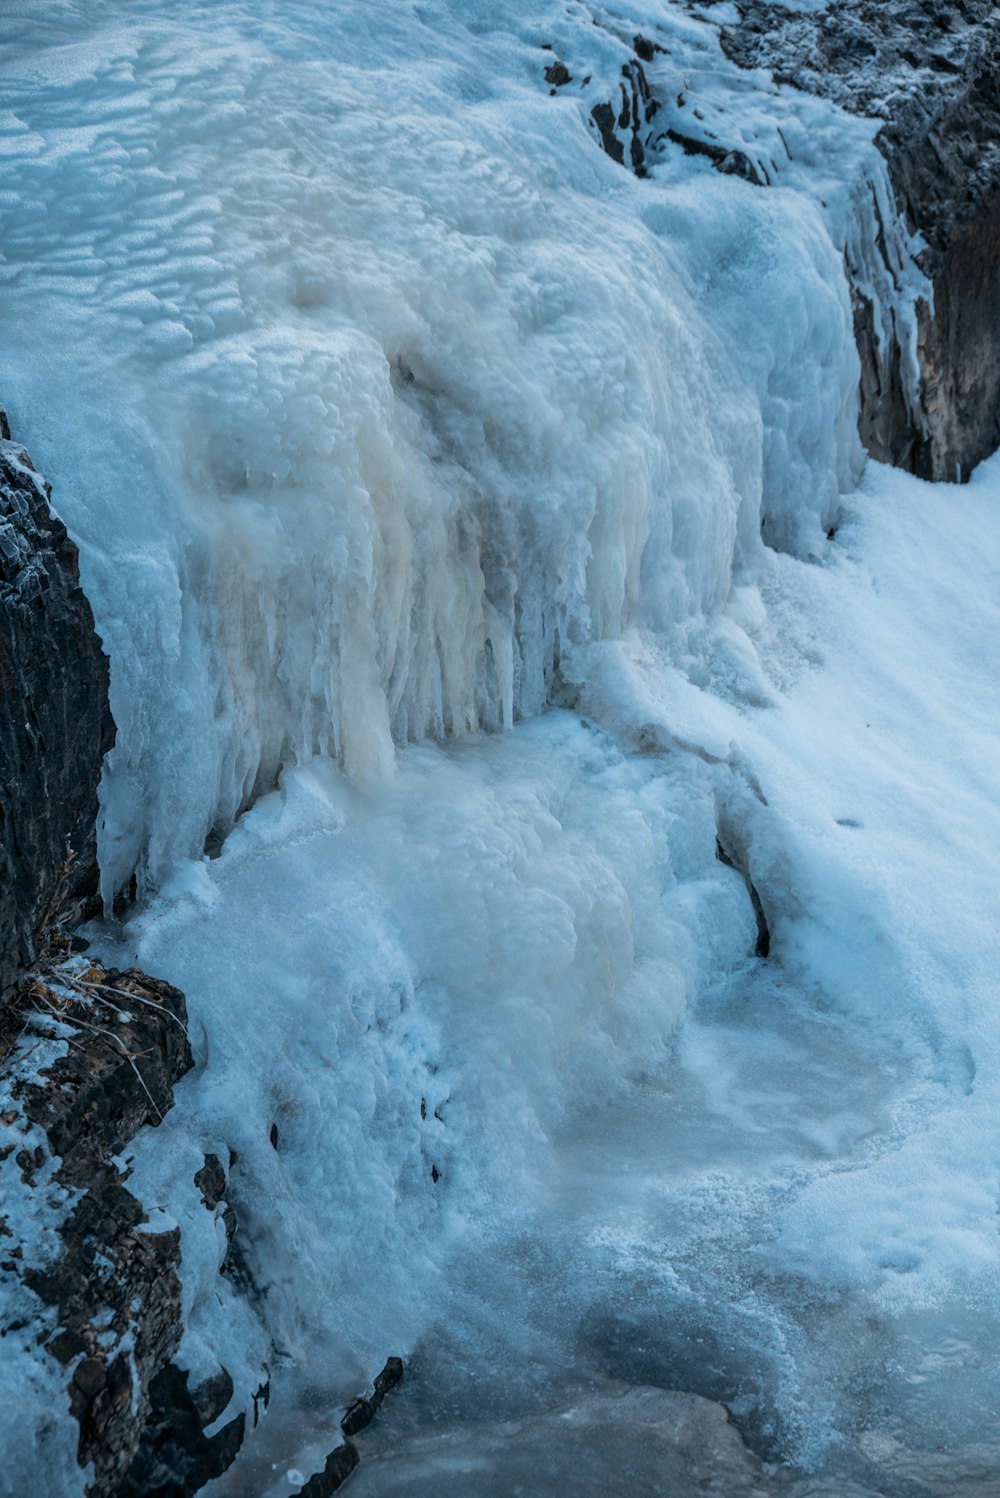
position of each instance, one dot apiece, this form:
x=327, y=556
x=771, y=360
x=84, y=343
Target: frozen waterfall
x=386, y=463
x=481, y=539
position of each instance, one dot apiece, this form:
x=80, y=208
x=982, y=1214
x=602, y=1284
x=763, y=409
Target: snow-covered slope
x=387, y=409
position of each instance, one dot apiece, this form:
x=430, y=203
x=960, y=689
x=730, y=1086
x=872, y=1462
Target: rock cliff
x=87, y=1058
x=55, y=723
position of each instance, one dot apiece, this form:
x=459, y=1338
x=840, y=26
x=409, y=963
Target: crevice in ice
x=727, y=854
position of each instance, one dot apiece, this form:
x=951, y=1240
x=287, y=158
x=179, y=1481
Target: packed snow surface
x=487, y=521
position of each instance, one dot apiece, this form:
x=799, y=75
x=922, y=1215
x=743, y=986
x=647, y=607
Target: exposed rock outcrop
x=929, y=70
x=631, y=132
x=55, y=724
x=636, y=1440
x=108, y=1048
x=344, y=1458
x=87, y=1058
x=626, y=123
x=174, y=1456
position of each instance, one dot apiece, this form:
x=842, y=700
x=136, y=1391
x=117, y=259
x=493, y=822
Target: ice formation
x=383, y=458
x=399, y=428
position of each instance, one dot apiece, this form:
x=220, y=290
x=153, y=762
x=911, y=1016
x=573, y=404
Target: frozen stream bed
x=482, y=544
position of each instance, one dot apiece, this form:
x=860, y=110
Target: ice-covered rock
x=924, y=73
x=410, y=414
x=927, y=71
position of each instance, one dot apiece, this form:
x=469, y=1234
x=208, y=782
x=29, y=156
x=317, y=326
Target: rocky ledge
x=89, y=1058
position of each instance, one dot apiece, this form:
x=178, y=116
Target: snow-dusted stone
x=88, y=1279
x=925, y=72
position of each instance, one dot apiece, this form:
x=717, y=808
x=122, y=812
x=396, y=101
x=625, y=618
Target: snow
x=889, y=757
x=507, y=514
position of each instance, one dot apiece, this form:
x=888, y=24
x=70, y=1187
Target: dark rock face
x=362, y=1412
x=112, y=1285
x=175, y=1458
x=338, y=1468
x=632, y=129
x=625, y=126
x=928, y=69
x=55, y=724
x=110, y=1047
x=344, y=1458
x=95, y=1100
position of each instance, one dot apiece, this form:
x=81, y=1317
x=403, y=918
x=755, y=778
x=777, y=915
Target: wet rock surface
x=55, y=724
x=928, y=70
